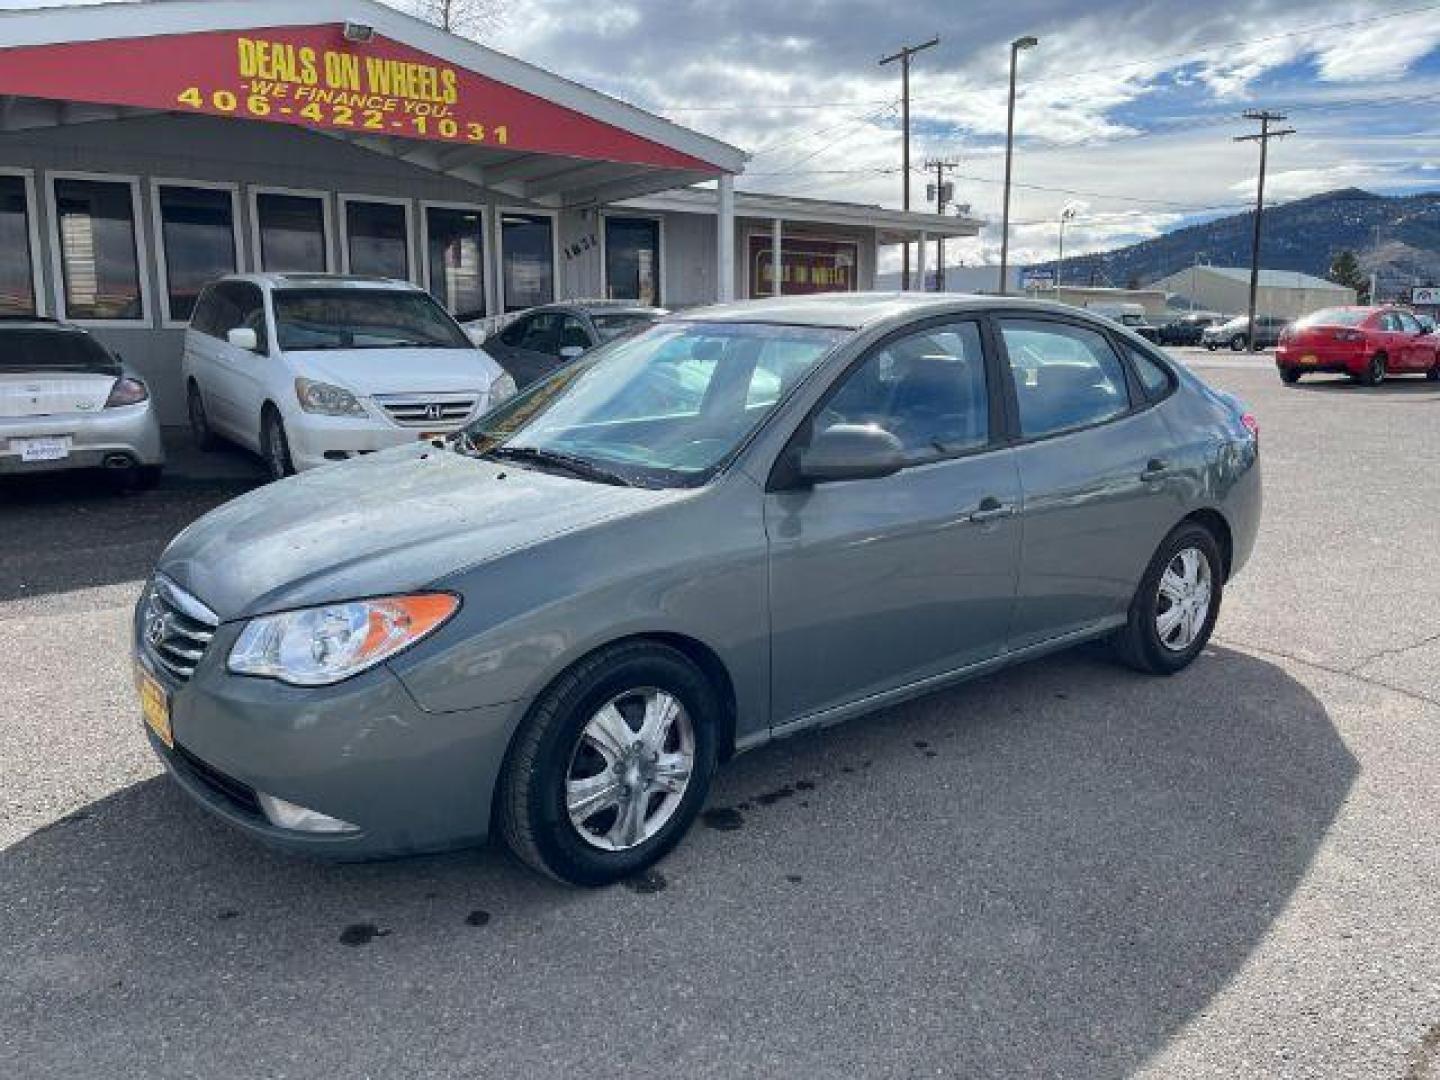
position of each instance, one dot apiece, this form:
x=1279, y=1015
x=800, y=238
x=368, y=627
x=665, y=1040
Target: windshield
x=363, y=319
x=662, y=408
x=1336, y=317
x=613, y=325
x=54, y=350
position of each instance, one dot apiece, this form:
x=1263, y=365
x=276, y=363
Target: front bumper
x=325, y=440
x=362, y=751
x=129, y=430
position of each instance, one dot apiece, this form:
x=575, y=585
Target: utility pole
x=941, y=192
x=904, y=56
x=1263, y=137
x=1017, y=46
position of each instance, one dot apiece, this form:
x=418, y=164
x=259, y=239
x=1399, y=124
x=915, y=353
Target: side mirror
x=242, y=337
x=476, y=335
x=571, y=352
x=851, y=452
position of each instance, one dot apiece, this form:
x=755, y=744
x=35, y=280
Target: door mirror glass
x=851, y=452
x=242, y=337
x=571, y=352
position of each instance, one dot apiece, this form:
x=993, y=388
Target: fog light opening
x=287, y=815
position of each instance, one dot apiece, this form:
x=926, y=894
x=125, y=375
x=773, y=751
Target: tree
x=468, y=18
x=1345, y=270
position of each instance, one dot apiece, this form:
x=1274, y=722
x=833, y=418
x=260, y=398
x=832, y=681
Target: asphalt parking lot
x=1063, y=870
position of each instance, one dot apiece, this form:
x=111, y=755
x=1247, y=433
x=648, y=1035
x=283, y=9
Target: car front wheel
x=200, y=432
x=1237, y=343
x=1374, y=373
x=276, y=446
x=1174, y=609
x=611, y=766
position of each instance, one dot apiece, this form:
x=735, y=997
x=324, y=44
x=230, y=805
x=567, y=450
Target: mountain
x=1301, y=235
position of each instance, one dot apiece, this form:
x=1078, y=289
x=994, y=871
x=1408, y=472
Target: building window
x=197, y=235
x=455, y=250
x=292, y=233
x=17, y=269
x=377, y=239
x=632, y=259
x=527, y=242
x=99, y=258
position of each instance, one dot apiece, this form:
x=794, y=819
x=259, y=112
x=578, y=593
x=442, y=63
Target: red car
x=1366, y=343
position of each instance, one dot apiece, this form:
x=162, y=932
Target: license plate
x=154, y=705
x=1309, y=358
x=44, y=448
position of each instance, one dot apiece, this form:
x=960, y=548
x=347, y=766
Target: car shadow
x=1396, y=386
x=1047, y=872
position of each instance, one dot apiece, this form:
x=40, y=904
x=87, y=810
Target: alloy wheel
x=1184, y=599
x=630, y=769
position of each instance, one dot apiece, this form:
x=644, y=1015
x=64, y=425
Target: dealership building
x=147, y=148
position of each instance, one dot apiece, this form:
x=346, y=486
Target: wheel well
x=1219, y=528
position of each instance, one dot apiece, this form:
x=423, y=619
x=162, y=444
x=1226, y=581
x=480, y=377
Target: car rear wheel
x=1374, y=373
x=1434, y=373
x=1174, y=609
x=611, y=766
x=1237, y=343
x=1289, y=375
x=1211, y=346
x=276, y=446
x=200, y=432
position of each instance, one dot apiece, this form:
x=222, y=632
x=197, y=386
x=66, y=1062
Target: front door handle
x=991, y=509
x=1155, y=469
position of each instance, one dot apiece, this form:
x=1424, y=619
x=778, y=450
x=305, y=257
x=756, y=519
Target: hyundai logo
x=155, y=629
x=434, y=411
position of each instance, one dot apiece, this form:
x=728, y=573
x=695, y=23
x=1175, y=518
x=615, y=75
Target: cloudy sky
x=1126, y=110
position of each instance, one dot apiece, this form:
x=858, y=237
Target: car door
x=1415, y=346
x=254, y=370
x=881, y=583
x=217, y=364
x=1097, y=475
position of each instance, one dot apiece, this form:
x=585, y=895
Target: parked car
x=1130, y=316
x=67, y=402
x=1187, y=329
x=545, y=338
x=1366, y=343
x=308, y=369
x=1235, y=334
x=733, y=526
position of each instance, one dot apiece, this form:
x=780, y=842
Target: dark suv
x=1186, y=329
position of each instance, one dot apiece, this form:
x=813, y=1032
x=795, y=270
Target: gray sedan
x=731, y=527
x=67, y=402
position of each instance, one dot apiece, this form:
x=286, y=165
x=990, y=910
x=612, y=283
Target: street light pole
x=1016, y=47
x=1066, y=214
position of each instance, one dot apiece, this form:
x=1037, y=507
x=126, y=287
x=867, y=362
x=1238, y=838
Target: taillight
x=1251, y=425
x=126, y=391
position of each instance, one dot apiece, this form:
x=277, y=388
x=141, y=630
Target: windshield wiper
x=571, y=463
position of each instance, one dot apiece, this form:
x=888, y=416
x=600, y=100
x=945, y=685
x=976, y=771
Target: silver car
x=66, y=402
x=733, y=526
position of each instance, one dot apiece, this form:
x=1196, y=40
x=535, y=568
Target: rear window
x=612, y=325
x=53, y=350
x=1335, y=317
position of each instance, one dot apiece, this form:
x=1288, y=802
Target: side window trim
x=782, y=470
x=1016, y=437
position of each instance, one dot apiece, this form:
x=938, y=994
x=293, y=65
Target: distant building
x=1287, y=293
x=958, y=279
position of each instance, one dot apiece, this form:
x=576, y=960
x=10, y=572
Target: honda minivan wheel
x=276, y=446
x=200, y=432
x=1175, y=607
x=611, y=766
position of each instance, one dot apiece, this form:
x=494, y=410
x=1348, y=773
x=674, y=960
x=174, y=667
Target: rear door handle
x=1155, y=469
x=991, y=509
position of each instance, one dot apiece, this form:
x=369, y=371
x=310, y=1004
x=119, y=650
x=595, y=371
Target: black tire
x=1374, y=371
x=1434, y=373
x=1138, y=644
x=1211, y=346
x=200, y=431
x=275, y=445
x=1289, y=375
x=1238, y=343
x=530, y=798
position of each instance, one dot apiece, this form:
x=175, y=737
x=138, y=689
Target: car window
x=543, y=334
x=1153, y=376
x=223, y=310
x=926, y=388
x=515, y=333
x=610, y=325
x=1389, y=323
x=1065, y=376
x=1408, y=323
x=573, y=334
x=250, y=313
x=29, y=350
x=202, y=317
x=346, y=319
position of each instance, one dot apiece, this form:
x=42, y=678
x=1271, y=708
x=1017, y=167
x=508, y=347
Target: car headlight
x=322, y=645
x=502, y=389
x=326, y=399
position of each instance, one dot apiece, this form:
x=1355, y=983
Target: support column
x=725, y=240
x=920, y=259
x=777, y=262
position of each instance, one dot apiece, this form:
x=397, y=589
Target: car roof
x=273, y=280
x=601, y=307
x=855, y=311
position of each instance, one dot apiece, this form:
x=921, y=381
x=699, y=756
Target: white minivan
x=308, y=369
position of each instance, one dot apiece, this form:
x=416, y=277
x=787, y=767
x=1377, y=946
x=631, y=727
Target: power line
x=1263, y=137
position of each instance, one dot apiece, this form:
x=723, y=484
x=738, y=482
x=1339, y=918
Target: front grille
x=240, y=796
x=175, y=628
x=428, y=410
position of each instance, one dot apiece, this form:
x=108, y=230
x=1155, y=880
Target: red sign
x=312, y=77
x=806, y=266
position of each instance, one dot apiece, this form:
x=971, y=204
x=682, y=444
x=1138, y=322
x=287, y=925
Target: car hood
x=391, y=522
x=398, y=371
